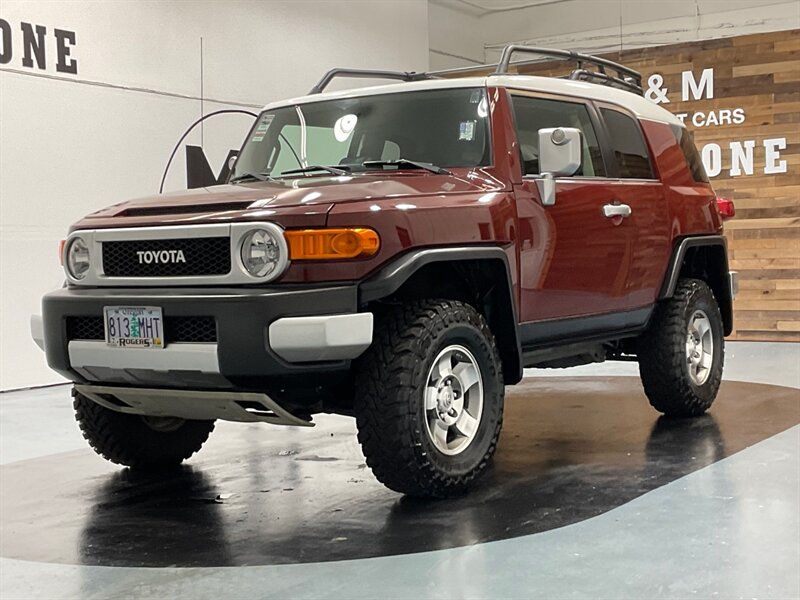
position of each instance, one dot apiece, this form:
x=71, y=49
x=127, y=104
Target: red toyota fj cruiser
x=400, y=253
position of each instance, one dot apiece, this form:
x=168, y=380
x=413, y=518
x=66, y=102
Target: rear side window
x=627, y=143
x=533, y=114
x=685, y=140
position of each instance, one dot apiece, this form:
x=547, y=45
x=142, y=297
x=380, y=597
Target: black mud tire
x=662, y=352
x=128, y=440
x=389, y=397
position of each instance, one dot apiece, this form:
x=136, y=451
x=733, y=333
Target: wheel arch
x=479, y=275
x=703, y=257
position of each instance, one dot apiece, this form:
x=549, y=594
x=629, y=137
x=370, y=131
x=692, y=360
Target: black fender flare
x=722, y=285
x=391, y=277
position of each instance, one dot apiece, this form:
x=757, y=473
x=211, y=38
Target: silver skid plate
x=247, y=407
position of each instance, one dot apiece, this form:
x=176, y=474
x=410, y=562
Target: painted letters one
x=6, y=52
x=773, y=163
x=742, y=156
x=33, y=45
x=712, y=159
x=65, y=40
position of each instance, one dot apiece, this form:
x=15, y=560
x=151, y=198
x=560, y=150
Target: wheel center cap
x=449, y=404
x=446, y=399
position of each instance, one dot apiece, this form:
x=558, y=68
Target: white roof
x=640, y=106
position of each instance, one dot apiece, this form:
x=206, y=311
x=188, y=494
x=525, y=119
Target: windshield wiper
x=405, y=163
x=312, y=168
x=247, y=176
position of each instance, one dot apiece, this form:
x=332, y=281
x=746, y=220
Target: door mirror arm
x=546, y=183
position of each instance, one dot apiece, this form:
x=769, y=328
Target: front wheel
x=682, y=353
x=137, y=441
x=429, y=398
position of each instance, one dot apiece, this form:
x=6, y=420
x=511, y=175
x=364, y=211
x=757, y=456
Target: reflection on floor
x=572, y=449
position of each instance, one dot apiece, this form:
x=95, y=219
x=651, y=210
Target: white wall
x=456, y=39
x=70, y=144
x=597, y=25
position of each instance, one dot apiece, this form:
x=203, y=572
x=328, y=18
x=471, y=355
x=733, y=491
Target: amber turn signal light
x=61, y=252
x=332, y=244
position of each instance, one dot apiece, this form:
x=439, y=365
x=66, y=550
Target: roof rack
x=625, y=78
x=620, y=77
x=368, y=74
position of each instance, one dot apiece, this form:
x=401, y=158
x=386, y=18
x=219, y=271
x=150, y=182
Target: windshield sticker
x=466, y=130
x=261, y=128
x=475, y=96
x=344, y=126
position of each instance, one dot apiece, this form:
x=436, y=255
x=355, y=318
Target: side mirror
x=232, y=161
x=559, y=156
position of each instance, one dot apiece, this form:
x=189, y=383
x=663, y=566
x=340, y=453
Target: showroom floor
x=591, y=495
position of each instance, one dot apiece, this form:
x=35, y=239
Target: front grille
x=85, y=328
x=167, y=258
x=176, y=329
x=190, y=329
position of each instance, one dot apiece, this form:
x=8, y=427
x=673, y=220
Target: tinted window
x=628, y=145
x=686, y=142
x=533, y=114
x=449, y=128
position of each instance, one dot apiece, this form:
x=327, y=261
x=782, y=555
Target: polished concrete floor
x=591, y=495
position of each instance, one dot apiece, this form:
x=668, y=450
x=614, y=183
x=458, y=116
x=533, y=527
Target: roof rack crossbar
x=626, y=78
x=368, y=74
x=603, y=78
x=621, y=76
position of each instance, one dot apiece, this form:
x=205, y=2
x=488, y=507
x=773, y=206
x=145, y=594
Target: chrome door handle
x=617, y=210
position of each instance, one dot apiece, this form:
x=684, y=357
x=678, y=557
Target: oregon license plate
x=134, y=326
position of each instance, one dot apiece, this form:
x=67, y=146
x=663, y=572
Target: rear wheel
x=429, y=398
x=682, y=353
x=138, y=441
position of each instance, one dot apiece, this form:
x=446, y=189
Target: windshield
x=446, y=128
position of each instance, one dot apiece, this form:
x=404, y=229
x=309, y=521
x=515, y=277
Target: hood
x=316, y=194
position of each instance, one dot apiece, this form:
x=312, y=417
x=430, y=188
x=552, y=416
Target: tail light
x=726, y=208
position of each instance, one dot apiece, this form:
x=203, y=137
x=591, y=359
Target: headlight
x=262, y=253
x=78, y=259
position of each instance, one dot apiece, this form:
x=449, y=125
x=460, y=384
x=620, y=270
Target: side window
x=628, y=145
x=685, y=140
x=533, y=114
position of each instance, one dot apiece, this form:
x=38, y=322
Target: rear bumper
x=266, y=338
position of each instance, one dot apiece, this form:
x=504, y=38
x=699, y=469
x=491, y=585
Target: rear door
x=636, y=190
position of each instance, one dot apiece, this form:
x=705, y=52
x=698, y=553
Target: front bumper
x=266, y=338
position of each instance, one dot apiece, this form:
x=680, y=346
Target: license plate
x=134, y=326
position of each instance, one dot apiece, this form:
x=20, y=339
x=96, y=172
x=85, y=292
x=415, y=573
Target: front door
x=574, y=260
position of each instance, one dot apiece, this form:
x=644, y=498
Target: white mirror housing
x=559, y=151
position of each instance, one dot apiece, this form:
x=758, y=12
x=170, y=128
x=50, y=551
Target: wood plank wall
x=760, y=74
